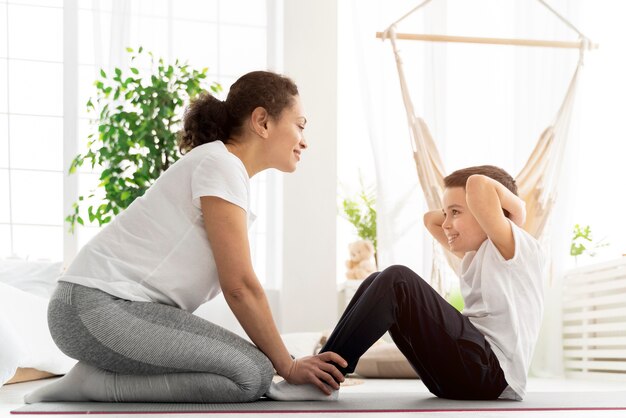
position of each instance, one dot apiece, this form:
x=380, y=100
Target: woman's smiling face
x=286, y=137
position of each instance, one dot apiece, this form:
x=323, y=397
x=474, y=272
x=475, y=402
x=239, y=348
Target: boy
x=501, y=270
x=484, y=352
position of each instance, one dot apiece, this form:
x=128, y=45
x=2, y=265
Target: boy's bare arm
x=433, y=221
x=485, y=199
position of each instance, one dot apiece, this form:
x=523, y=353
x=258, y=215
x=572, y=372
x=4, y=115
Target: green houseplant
x=138, y=115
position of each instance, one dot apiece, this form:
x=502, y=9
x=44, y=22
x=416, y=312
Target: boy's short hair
x=459, y=177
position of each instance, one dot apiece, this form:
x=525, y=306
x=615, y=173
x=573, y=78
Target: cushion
x=385, y=360
x=382, y=360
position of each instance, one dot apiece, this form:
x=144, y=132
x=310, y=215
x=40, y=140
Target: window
x=229, y=37
x=31, y=129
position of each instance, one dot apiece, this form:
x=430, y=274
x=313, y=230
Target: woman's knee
x=266, y=369
x=258, y=382
x=61, y=324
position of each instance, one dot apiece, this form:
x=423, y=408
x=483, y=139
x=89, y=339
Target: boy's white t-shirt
x=157, y=249
x=504, y=301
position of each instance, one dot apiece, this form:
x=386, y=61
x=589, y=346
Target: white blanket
x=24, y=335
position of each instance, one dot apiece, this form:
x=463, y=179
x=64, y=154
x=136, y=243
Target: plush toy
x=361, y=263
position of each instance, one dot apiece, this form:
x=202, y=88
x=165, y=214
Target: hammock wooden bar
x=492, y=41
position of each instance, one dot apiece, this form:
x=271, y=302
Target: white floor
x=11, y=398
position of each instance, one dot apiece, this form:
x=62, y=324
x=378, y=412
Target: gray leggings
x=158, y=353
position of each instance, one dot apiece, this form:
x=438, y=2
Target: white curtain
x=484, y=105
x=111, y=34
x=377, y=108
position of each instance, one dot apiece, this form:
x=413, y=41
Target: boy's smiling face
x=460, y=227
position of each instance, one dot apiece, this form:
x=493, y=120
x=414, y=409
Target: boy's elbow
x=476, y=182
x=433, y=218
x=478, y=187
x=426, y=219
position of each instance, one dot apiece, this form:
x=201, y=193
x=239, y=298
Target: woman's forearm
x=251, y=308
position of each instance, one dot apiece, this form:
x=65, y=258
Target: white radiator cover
x=594, y=320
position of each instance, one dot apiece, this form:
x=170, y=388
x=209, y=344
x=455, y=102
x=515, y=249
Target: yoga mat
x=350, y=402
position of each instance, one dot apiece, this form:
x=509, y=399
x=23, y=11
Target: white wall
x=309, y=291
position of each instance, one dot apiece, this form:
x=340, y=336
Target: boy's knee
x=401, y=275
x=398, y=272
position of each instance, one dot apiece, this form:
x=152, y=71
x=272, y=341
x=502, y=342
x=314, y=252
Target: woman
x=123, y=308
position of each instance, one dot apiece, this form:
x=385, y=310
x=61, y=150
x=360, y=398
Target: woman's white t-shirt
x=504, y=301
x=157, y=249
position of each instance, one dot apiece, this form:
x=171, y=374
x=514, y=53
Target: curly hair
x=208, y=119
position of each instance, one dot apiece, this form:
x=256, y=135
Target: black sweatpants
x=451, y=356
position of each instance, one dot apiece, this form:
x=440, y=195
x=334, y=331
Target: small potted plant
x=360, y=211
x=582, y=243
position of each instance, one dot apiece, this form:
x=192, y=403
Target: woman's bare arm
x=226, y=228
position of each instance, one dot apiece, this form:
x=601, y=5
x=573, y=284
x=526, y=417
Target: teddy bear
x=361, y=263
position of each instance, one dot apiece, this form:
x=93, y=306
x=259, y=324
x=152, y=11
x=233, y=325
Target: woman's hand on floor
x=317, y=370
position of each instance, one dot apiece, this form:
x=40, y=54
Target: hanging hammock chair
x=538, y=179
